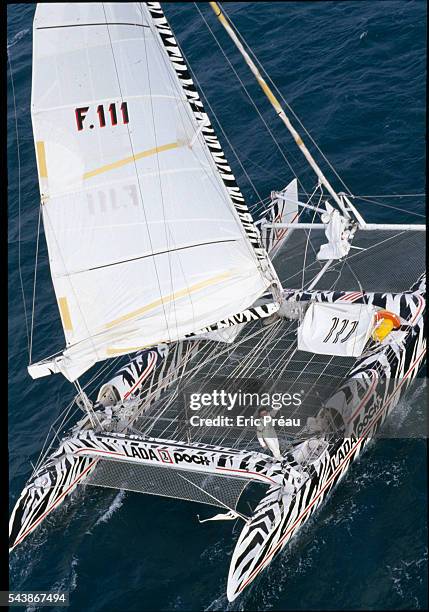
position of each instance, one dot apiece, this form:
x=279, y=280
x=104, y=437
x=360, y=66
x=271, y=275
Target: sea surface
x=354, y=72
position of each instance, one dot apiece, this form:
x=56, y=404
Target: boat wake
x=114, y=506
x=411, y=408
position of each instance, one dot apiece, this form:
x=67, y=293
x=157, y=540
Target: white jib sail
x=144, y=242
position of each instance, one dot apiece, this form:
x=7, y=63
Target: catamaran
x=166, y=279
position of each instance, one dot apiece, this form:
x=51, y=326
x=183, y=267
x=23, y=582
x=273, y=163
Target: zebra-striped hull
x=382, y=378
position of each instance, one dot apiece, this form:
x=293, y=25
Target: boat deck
x=266, y=358
x=263, y=358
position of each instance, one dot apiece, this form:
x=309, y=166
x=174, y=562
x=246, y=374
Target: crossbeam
x=368, y=227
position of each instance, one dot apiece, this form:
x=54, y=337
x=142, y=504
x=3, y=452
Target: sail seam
x=136, y=172
x=118, y=263
x=79, y=25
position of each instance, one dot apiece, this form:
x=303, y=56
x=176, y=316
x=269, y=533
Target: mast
x=277, y=107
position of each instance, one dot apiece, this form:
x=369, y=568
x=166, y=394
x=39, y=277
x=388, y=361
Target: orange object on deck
x=385, y=321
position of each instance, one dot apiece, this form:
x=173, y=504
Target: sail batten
x=133, y=158
x=149, y=237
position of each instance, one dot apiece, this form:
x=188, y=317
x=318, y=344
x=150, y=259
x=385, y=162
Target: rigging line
x=248, y=95
x=394, y=195
x=405, y=210
x=167, y=401
x=285, y=281
x=355, y=276
x=209, y=106
x=109, y=364
x=260, y=208
x=317, y=210
x=189, y=113
x=19, y=202
x=267, y=350
x=177, y=87
x=293, y=351
x=245, y=364
x=34, y=284
x=213, y=353
x=250, y=360
x=372, y=246
x=147, y=402
x=289, y=354
x=288, y=105
x=164, y=404
x=340, y=377
x=245, y=518
x=136, y=171
x=213, y=161
x=253, y=357
x=340, y=271
x=244, y=367
x=282, y=356
x=167, y=230
x=216, y=366
x=308, y=235
x=44, y=453
x=207, y=103
x=89, y=409
x=274, y=174
x=282, y=352
x=188, y=355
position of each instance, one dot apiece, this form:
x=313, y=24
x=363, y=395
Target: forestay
x=145, y=242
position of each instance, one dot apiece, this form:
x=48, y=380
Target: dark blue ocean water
x=355, y=74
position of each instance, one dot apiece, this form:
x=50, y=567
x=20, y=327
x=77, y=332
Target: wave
x=114, y=506
x=301, y=558
x=404, y=576
x=67, y=584
x=17, y=37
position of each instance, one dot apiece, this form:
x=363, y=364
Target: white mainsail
x=145, y=240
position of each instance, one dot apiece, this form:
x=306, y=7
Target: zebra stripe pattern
x=278, y=516
x=175, y=56
x=293, y=495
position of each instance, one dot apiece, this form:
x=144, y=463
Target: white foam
x=114, y=506
x=17, y=37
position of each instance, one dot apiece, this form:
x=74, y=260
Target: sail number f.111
x=109, y=117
